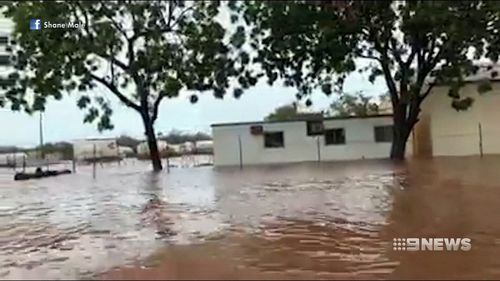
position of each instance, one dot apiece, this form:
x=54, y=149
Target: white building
x=96, y=149
x=297, y=141
x=187, y=147
x=206, y=146
x=12, y=159
x=443, y=131
x=143, y=147
x=125, y=151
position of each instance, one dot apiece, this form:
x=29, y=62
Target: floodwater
x=295, y=221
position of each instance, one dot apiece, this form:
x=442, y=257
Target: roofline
x=300, y=120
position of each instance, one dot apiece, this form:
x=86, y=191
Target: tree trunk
x=401, y=132
x=154, y=154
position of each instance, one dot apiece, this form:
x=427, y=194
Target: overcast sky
x=63, y=121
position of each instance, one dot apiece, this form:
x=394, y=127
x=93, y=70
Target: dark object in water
x=204, y=165
x=40, y=174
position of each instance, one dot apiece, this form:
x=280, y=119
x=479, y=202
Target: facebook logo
x=35, y=24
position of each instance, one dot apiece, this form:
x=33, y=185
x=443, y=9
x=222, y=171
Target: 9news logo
x=431, y=244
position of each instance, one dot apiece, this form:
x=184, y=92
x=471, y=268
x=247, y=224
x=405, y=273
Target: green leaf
x=462, y=104
x=237, y=92
x=453, y=92
x=484, y=86
x=83, y=102
x=193, y=99
x=234, y=18
x=327, y=88
x=91, y=115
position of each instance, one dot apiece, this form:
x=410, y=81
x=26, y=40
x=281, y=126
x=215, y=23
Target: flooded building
x=444, y=131
x=96, y=149
x=204, y=147
x=12, y=159
x=326, y=139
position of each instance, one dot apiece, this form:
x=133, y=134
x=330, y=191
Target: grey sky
x=64, y=121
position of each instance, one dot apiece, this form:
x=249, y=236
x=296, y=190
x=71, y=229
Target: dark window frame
x=383, y=134
x=277, y=143
x=4, y=40
x=311, y=123
x=7, y=61
x=335, y=139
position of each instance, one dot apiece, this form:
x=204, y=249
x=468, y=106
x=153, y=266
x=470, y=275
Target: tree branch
x=190, y=8
x=426, y=93
x=387, y=72
x=167, y=28
x=117, y=92
x=369, y=57
x=86, y=18
x=156, y=106
x=115, y=23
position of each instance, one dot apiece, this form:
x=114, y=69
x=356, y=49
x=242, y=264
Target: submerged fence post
x=168, y=163
x=119, y=156
x=319, y=149
x=480, y=140
x=241, y=152
x=94, y=162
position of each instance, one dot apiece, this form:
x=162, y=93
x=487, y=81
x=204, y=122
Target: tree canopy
x=412, y=45
x=141, y=52
x=354, y=105
x=178, y=137
x=289, y=112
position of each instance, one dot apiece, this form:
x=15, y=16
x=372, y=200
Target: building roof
x=300, y=120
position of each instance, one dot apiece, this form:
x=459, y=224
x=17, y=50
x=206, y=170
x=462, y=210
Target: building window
x=4, y=40
x=6, y=82
x=314, y=128
x=383, y=133
x=335, y=136
x=274, y=139
x=4, y=60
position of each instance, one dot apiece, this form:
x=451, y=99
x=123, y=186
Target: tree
x=178, y=137
x=127, y=141
x=354, y=105
x=285, y=112
x=290, y=112
x=413, y=45
x=139, y=51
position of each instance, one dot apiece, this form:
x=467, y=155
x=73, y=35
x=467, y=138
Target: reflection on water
x=328, y=220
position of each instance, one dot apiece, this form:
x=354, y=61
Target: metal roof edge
x=299, y=120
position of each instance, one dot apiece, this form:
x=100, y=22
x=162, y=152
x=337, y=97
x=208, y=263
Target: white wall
x=360, y=140
x=8, y=159
x=298, y=147
x=143, y=147
x=457, y=133
x=84, y=149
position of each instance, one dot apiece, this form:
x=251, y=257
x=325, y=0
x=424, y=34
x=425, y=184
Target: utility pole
x=42, y=156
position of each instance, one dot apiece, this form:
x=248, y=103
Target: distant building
x=96, y=149
x=325, y=139
x=204, y=147
x=12, y=159
x=125, y=151
x=143, y=148
x=187, y=147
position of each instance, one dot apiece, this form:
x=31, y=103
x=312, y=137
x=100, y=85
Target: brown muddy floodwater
x=314, y=221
